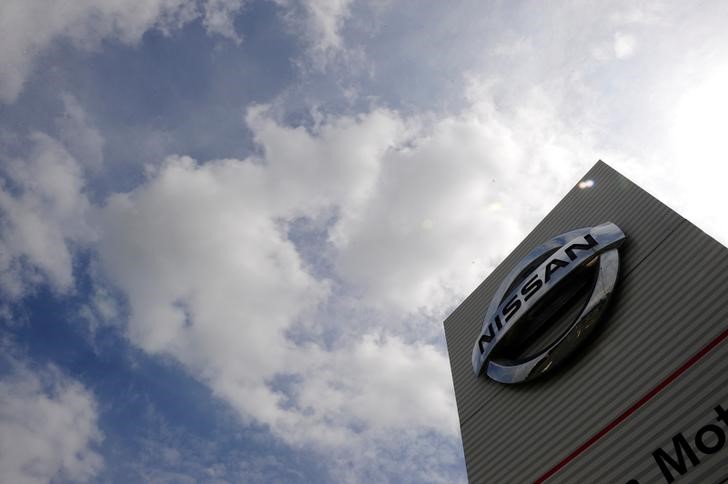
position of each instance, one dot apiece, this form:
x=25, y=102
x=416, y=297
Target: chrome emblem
x=510, y=318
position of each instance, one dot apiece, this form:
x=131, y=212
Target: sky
x=230, y=230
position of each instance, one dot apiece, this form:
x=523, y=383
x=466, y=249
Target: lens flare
x=586, y=184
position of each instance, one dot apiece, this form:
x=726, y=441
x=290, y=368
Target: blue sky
x=230, y=230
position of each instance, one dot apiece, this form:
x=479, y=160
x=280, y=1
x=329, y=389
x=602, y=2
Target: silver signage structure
x=646, y=399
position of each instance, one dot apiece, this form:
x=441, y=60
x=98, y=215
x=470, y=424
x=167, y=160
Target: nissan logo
x=511, y=316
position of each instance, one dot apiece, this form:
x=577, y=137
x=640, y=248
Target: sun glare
x=586, y=184
x=701, y=121
x=700, y=139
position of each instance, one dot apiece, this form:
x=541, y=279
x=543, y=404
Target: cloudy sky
x=230, y=229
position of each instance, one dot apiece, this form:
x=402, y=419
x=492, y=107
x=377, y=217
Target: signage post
x=598, y=350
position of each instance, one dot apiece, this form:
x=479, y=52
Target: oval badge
x=509, y=321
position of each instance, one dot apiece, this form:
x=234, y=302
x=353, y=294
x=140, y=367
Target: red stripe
x=639, y=403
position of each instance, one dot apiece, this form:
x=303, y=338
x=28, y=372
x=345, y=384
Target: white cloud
x=335, y=164
x=209, y=273
x=699, y=142
x=408, y=190
x=624, y=45
x=43, y=211
x=429, y=230
x=220, y=15
x=203, y=254
x=326, y=18
x=48, y=428
x=379, y=382
x=27, y=29
x=320, y=22
x=31, y=28
x=78, y=134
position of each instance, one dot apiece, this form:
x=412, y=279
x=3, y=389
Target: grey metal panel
x=669, y=268
x=686, y=405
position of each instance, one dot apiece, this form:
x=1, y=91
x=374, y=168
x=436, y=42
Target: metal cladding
x=645, y=400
